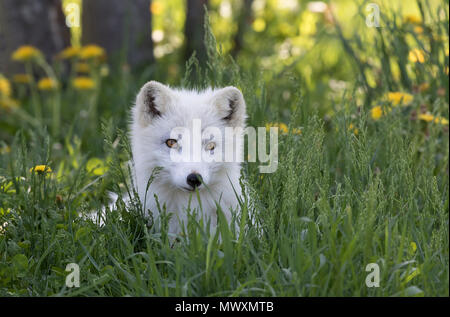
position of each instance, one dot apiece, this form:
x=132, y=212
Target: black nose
x=194, y=180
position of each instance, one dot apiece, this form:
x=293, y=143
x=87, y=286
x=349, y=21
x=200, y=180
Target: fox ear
x=152, y=101
x=230, y=104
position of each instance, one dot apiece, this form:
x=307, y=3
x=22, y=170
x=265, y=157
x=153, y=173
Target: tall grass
x=350, y=190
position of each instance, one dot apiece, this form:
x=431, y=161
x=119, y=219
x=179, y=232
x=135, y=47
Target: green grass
x=338, y=201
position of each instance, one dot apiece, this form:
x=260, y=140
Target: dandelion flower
x=259, y=25
x=376, y=112
x=430, y=118
x=296, y=131
x=41, y=169
x=22, y=78
x=69, y=52
x=413, y=19
x=418, y=29
x=283, y=127
x=25, y=53
x=416, y=56
x=83, y=83
x=5, y=87
x=412, y=247
x=156, y=8
x=351, y=127
x=426, y=117
x=92, y=51
x=397, y=98
x=47, y=84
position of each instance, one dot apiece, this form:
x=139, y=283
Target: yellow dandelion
x=5, y=87
x=69, y=52
x=418, y=29
x=156, y=7
x=41, y=169
x=259, y=25
x=376, y=112
x=426, y=117
x=281, y=126
x=83, y=83
x=413, y=19
x=47, y=84
x=8, y=103
x=351, y=127
x=446, y=52
x=397, y=98
x=82, y=67
x=92, y=51
x=25, y=53
x=412, y=247
x=296, y=131
x=22, y=78
x=430, y=118
x=416, y=56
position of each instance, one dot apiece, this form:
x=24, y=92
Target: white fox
x=157, y=113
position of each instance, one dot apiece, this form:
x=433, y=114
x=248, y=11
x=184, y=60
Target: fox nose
x=194, y=180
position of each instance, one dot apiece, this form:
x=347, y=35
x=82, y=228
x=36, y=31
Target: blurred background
x=95, y=54
x=259, y=34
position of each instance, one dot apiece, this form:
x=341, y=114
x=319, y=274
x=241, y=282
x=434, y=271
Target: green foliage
x=350, y=189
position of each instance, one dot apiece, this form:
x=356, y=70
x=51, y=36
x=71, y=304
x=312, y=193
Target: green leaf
x=20, y=264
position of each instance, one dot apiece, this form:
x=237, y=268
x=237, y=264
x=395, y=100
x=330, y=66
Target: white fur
x=151, y=124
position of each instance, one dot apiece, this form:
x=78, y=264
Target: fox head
x=184, y=133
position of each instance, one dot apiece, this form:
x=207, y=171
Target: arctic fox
x=157, y=114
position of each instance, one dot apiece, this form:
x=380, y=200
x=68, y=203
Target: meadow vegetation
x=362, y=175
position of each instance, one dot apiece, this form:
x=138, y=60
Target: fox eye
x=171, y=143
x=210, y=146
